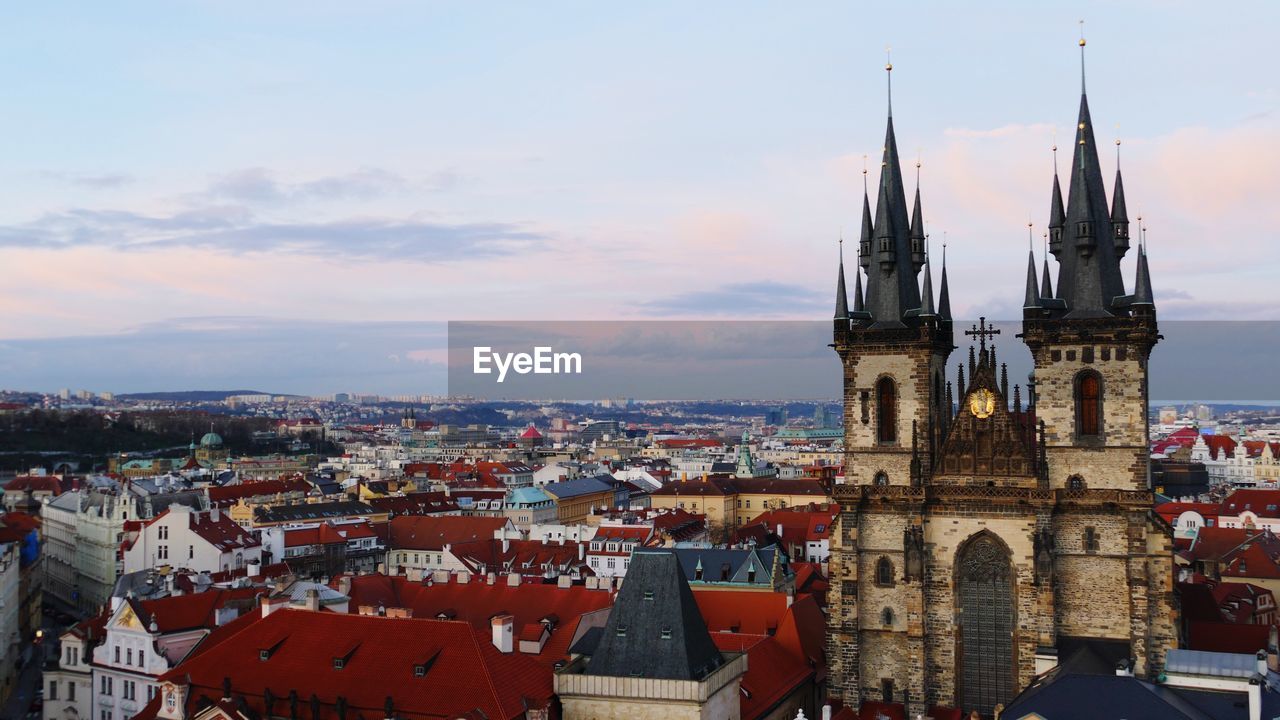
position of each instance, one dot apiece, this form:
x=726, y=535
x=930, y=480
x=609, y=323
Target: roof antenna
x=1082, y=43
x=888, y=68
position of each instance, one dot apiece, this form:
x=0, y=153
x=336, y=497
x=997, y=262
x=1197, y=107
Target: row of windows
x=106, y=686
x=128, y=656
x=1087, y=394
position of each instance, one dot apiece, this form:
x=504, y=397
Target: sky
x=295, y=196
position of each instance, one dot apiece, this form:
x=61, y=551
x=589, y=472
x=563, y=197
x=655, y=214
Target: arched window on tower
x=1075, y=482
x=886, y=410
x=1088, y=403
x=881, y=478
x=884, y=572
x=886, y=616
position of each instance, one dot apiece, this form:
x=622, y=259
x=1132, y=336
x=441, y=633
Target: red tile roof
x=476, y=602
x=230, y=494
x=35, y=483
x=1263, y=503
x=465, y=677
x=196, y=610
x=223, y=532
x=328, y=533
x=433, y=532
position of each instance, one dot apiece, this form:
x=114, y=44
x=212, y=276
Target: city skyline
x=210, y=199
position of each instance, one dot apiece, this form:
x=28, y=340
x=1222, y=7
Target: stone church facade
x=985, y=536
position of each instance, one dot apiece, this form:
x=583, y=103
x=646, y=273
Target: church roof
x=655, y=629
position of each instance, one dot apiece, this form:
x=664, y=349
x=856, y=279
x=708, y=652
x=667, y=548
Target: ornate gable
x=985, y=439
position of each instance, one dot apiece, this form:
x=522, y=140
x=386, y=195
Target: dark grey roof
x=574, y=488
x=842, y=296
x=728, y=565
x=655, y=629
x=313, y=511
x=1066, y=696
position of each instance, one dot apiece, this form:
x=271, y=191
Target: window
x=1075, y=482
x=128, y=656
x=71, y=691
x=117, y=654
x=164, y=532
x=882, y=478
x=884, y=571
x=53, y=690
x=886, y=411
x=666, y=633
x=163, y=552
x=886, y=616
x=1088, y=403
x=886, y=690
x=104, y=687
x=622, y=631
x=609, y=563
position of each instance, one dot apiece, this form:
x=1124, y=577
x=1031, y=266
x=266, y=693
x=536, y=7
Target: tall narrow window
x=886, y=410
x=884, y=571
x=1089, y=404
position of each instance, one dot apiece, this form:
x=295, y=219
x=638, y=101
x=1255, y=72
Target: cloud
x=257, y=185
x=1004, y=131
x=234, y=229
x=100, y=181
x=765, y=298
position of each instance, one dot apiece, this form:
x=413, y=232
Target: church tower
x=893, y=348
x=981, y=541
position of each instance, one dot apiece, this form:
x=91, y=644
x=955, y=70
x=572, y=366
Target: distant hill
x=193, y=395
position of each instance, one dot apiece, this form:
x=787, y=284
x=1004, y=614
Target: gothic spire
x=864, y=240
x=1032, y=299
x=1089, y=270
x=917, y=228
x=944, y=294
x=926, y=292
x=1119, y=213
x=842, y=298
x=1057, y=215
x=1142, y=294
x=1046, y=289
x=857, y=291
x=892, y=287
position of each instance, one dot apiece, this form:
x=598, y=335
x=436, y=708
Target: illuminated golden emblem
x=982, y=403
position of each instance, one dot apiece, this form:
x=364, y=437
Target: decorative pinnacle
x=1082, y=44
x=888, y=69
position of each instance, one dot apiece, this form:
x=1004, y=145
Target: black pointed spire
x=1119, y=213
x=1046, y=289
x=1142, y=294
x=917, y=228
x=1089, y=272
x=857, y=291
x=1032, y=299
x=842, y=298
x=944, y=294
x=926, y=292
x=892, y=287
x=1057, y=214
x=864, y=240
x=960, y=386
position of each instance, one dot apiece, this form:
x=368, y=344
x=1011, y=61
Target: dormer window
x=622, y=631
x=419, y=670
x=666, y=633
x=339, y=663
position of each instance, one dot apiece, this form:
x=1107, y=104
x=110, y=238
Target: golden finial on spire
x=888, y=58
x=1082, y=33
x=1082, y=56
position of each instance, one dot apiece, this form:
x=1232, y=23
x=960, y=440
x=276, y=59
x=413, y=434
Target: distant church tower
x=982, y=541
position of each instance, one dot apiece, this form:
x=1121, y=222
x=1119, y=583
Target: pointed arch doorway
x=985, y=622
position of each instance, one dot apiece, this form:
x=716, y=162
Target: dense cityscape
x=945, y=539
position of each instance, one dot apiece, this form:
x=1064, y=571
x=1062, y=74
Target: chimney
x=779, y=531
x=253, y=569
x=1122, y=669
x=826, y=712
x=582, y=550
x=312, y=601
x=1255, y=698
x=215, y=514
x=344, y=585
x=513, y=580
x=503, y=633
x=564, y=581
x=492, y=578
x=1262, y=663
